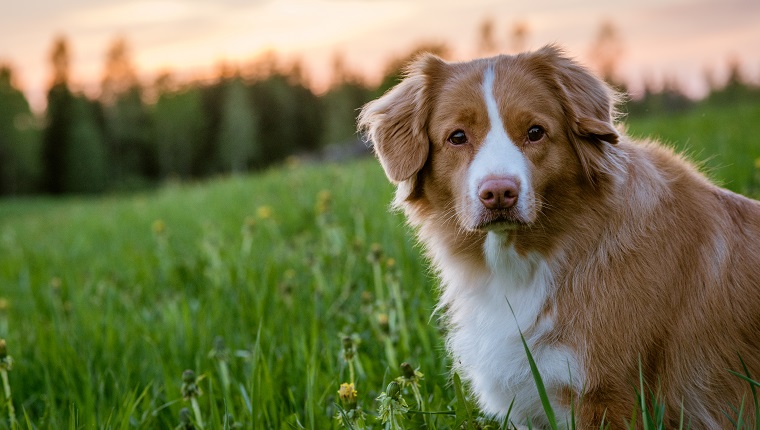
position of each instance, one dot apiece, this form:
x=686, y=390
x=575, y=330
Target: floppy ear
x=396, y=123
x=589, y=105
x=589, y=102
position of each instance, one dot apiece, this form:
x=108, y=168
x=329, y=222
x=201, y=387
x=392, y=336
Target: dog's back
x=669, y=289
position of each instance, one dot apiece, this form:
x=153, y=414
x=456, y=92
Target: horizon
x=676, y=39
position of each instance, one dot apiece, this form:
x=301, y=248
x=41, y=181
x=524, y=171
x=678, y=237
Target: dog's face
x=492, y=143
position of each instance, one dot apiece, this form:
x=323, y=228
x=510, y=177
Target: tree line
x=133, y=136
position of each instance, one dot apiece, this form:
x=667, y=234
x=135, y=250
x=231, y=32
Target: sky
x=660, y=38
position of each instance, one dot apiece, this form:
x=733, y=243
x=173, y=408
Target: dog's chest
x=487, y=313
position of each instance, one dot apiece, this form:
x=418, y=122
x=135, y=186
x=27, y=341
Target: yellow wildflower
x=264, y=212
x=347, y=394
x=159, y=227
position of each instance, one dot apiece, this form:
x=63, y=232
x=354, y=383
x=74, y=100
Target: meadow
x=273, y=289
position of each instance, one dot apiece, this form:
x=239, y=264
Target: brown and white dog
x=617, y=258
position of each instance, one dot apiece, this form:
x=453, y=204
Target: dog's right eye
x=535, y=133
x=457, y=138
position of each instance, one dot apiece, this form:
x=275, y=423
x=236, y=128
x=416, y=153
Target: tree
x=19, y=139
x=85, y=157
x=179, y=131
x=275, y=111
x=237, y=140
x=60, y=60
x=519, y=36
x=606, y=51
x=309, y=119
x=486, y=42
x=737, y=87
x=340, y=72
x=395, y=70
x=57, y=132
x=342, y=103
x=119, y=75
x=289, y=116
x=657, y=99
x=126, y=121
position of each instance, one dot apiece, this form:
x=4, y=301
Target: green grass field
x=253, y=283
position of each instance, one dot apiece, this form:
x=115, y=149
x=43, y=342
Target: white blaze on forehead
x=498, y=156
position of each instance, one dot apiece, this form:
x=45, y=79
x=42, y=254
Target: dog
x=620, y=265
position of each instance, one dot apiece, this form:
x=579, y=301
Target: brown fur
x=654, y=267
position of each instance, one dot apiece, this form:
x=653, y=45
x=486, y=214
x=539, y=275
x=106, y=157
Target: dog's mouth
x=499, y=220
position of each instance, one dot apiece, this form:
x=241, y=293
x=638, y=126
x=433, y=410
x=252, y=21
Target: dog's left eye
x=457, y=138
x=535, y=133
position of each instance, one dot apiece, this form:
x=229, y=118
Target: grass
x=253, y=283
x=722, y=139
x=110, y=300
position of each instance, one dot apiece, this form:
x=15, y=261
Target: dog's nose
x=499, y=193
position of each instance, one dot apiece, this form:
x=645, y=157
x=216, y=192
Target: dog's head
x=493, y=143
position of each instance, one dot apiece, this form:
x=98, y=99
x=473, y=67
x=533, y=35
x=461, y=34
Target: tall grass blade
x=740, y=416
x=751, y=381
x=645, y=421
x=463, y=412
x=729, y=417
x=505, y=424
x=754, y=393
x=548, y=410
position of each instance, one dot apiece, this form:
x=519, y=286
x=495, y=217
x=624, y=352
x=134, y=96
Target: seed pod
x=407, y=370
x=393, y=390
x=188, y=377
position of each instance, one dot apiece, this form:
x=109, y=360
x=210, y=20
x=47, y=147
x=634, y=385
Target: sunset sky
x=681, y=38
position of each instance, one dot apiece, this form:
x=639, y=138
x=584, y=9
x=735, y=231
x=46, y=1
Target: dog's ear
x=589, y=105
x=588, y=101
x=396, y=123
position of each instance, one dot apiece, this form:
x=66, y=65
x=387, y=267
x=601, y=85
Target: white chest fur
x=484, y=337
